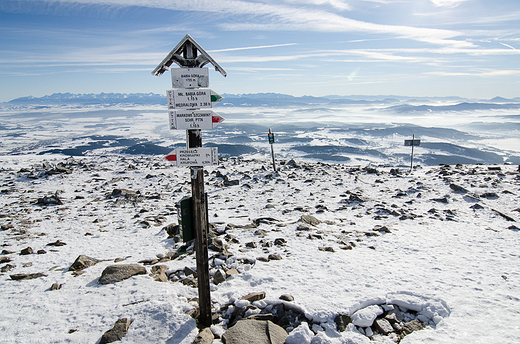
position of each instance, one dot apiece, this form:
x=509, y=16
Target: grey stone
x=117, y=273
x=287, y=297
x=117, y=332
x=49, y=200
x=252, y=297
x=342, y=320
x=274, y=256
x=310, y=220
x=19, y=277
x=26, y=251
x=219, y=277
x=383, y=326
x=255, y=332
x=83, y=262
x=204, y=337
x=411, y=326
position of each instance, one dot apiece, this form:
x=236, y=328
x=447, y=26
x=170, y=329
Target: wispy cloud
x=252, y=48
x=483, y=73
x=269, y=16
x=447, y=3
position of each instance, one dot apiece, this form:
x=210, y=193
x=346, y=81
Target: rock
x=41, y=252
x=159, y=272
x=83, y=262
x=365, y=317
x=274, y=256
x=172, y=230
x=117, y=273
x=458, y=188
x=342, y=320
x=489, y=195
x=57, y=243
x=310, y=220
x=19, y=277
x=255, y=332
x=409, y=327
x=219, y=277
x=26, y=251
x=204, y=337
x=383, y=326
x=507, y=217
x=231, y=272
x=56, y=286
x=49, y=200
x=287, y=297
x=379, y=228
x=117, y=332
x=252, y=297
x=190, y=282
x=7, y=267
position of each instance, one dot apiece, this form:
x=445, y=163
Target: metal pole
x=272, y=149
x=411, y=160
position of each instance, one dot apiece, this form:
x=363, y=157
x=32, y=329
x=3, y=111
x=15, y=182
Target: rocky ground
x=329, y=253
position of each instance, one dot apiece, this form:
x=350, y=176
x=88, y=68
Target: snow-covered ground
x=453, y=250
x=442, y=240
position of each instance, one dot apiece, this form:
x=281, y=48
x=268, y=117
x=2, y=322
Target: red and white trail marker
x=188, y=157
x=194, y=119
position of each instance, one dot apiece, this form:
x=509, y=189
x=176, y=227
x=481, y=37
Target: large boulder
x=117, y=273
x=255, y=332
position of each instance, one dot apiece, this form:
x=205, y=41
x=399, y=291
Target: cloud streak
x=270, y=17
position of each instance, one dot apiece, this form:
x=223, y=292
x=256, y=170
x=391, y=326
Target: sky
x=467, y=48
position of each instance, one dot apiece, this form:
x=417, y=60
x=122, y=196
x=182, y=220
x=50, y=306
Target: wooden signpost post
x=184, y=103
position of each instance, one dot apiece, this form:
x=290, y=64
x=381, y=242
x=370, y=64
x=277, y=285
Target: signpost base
x=201, y=244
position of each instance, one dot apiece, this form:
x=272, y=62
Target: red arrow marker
x=217, y=119
x=171, y=157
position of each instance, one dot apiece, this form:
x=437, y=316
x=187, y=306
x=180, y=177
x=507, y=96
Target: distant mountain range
x=394, y=103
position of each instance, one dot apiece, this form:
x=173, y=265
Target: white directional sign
x=190, y=77
x=185, y=98
x=187, y=157
x=194, y=119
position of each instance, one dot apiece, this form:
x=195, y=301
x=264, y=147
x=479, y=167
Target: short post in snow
x=271, y=141
x=413, y=142
x=185, y=101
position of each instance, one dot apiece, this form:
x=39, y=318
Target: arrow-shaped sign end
x=171, y=157
x=217, y=119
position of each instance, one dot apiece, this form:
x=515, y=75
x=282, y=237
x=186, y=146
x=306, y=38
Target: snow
x=454, y=265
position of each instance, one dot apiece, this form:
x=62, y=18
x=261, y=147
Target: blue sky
x=468, y=48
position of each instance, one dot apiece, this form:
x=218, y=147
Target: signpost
x=413, y=142
x=270, y=136
x=186, y=95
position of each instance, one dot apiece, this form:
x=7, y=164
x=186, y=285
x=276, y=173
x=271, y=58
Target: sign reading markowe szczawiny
x=194, y=119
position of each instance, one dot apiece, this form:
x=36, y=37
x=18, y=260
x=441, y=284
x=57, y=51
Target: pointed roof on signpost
x=187, y=53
